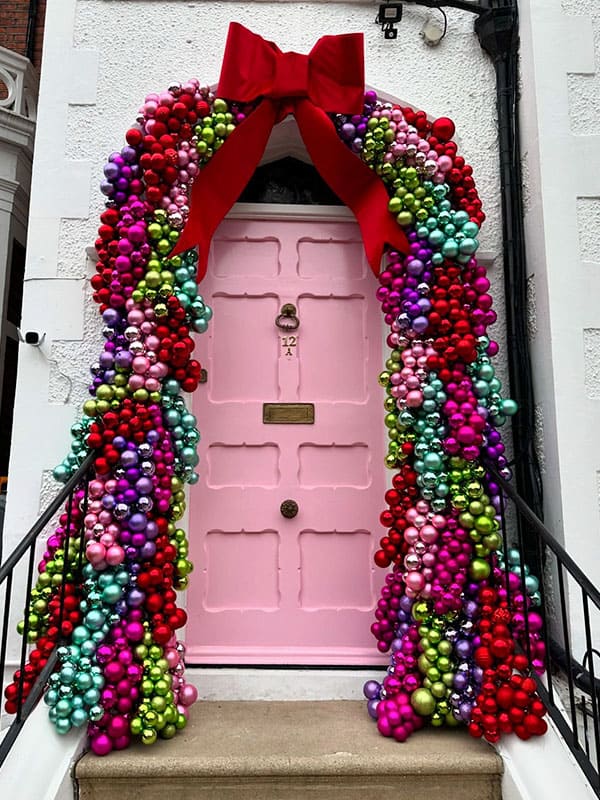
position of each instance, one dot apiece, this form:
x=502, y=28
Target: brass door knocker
x=287, y=319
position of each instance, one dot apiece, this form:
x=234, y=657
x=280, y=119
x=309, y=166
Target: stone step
x=327, y=750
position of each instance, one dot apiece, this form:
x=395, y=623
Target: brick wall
x=14, y=15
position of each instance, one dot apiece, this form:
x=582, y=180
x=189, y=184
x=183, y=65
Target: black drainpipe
x=31, y=26
x=498, y=31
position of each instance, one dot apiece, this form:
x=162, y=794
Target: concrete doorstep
x=327, y=750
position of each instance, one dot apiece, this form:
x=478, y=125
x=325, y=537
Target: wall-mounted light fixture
x=433, y=31
x=388, y=17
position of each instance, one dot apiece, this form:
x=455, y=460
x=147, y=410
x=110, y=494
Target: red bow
x=328, y=80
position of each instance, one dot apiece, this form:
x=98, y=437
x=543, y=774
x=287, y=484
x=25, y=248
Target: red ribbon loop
x=329, y=80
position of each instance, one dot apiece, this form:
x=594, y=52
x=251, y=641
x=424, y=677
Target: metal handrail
x=560, y=656
x=26, y=701
x=565, y=708
x=46, y=516
x=549, y=540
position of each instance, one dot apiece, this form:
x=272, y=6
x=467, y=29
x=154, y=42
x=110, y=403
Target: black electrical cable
x=445, y=30
x=31, y=26
x=463, y=5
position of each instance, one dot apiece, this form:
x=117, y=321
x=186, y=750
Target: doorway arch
x=144, y=437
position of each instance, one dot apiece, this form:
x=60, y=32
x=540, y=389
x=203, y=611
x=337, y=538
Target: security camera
x=32, y=337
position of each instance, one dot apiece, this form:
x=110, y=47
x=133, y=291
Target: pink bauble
x=113, y=671
x=411, y=535
x=414, y=581
x=172, y=657
x=384, y=727
x=101, y=744
x=188, y=694
x=117, y=727
x=140, y=365
x=115, y=555
x=134, y=631
x=96, y=488
x=95, y=553
x=135, y=317
x=136, y=382
x=428, y=534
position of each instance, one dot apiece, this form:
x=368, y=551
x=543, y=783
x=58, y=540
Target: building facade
x=102, y=59
x=21, y=36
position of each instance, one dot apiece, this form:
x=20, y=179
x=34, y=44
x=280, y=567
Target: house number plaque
x=288, y=322
x=288, y=413
x=287, y=345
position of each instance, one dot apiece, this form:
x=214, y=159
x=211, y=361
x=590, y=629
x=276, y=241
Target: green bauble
x=148, y=736
x=509, y=407
x=168, y=732
x=479, y=569
x=423, y=702
x=438, y=690
x=63, y=725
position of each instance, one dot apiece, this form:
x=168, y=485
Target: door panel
x=334, y=465
x=268, y=589
x=249, y=369
x=242, y=465
x=333, y=348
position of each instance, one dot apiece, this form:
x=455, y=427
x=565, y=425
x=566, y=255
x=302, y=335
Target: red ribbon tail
x=353, y=182
x=219, y=183
x=381, y=229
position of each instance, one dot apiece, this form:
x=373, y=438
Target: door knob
x=289, y=509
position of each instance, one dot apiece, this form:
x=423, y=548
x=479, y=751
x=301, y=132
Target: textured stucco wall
x=102, y=56
x=100, y=60
x=561, y=125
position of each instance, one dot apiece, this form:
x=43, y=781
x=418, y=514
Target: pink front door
x=269, y=589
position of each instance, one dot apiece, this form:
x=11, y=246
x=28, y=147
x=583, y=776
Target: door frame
x=264, y=212
x=319, y=682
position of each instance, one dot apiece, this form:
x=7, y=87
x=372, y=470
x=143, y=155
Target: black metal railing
x=21, y=563
x=569, y=606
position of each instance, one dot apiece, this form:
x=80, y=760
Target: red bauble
x=475, y=730
x=161, y=634
x=505, y=697
x=501, y=648
x=521, y=662
x=483, y=657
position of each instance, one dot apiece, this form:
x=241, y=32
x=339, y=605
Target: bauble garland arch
x=450, y=613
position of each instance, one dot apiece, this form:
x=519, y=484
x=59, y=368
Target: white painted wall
x=101, y=58
x=51, y=779
x=561, y=147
